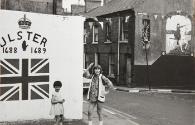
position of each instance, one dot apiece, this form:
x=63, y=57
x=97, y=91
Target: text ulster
x=20, y=35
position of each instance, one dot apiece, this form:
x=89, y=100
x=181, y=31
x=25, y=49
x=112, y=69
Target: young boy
x=97, y=91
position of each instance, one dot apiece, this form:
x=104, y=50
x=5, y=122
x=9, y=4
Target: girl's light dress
x=58, y=108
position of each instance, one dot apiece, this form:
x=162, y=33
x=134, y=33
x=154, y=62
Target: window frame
x=107, y=32
x=95, y=35
x=123, y=29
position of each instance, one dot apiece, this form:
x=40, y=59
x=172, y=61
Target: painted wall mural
x=178, y=35
x=36, y=50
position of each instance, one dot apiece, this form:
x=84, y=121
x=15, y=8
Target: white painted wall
x=65, y=53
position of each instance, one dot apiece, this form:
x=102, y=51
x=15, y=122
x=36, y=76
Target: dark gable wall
x=168, y=70
x=162, y=9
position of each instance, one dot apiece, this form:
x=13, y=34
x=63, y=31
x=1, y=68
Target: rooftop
x=146, y=6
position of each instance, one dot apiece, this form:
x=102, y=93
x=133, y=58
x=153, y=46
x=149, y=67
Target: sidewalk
x=110, y=116
x=135, y=90
x=43, y=122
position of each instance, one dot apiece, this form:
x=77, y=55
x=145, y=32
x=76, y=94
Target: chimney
x=102, y=2
x=91, y=4
x=106, y=1
x=57, y=7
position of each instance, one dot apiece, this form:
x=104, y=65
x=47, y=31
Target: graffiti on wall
x=146, y=33
x=178, y=35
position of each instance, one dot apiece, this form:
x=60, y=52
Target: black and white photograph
x=97, y=62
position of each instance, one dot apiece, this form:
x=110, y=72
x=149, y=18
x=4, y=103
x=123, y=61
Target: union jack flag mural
x=24, y=79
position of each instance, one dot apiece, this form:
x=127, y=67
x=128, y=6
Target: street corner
x=147, y=90
x=131, y=90
x=183, y=91
x=111, y=116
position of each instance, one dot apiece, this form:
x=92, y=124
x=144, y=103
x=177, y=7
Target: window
x=87, y=28
x=111, y=66
x=95, y=34
x=108, y=31
x=124, y=28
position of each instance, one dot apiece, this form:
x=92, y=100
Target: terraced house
x=143, y=42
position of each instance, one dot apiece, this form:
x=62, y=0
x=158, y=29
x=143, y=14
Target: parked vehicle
x=86, y=84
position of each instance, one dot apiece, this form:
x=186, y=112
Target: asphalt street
x=140, y=108
x=148, y=108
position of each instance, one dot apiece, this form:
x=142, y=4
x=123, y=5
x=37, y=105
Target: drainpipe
x=118, y=52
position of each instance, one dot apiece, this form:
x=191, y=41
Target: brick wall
x=114, y=29
x=102, y=36
x=92, y=4
x=39, y=6
x=106, y=49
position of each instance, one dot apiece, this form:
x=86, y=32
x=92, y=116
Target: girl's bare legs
x=61, y=119
x=99, y=112
x=57, y=120
x=91, y=107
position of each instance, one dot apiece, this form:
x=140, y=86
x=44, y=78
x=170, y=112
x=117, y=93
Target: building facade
x=169, y=29
x=159, y=51
x=108, y=42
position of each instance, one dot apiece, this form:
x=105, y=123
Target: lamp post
x=146, y=46
x=146, y=42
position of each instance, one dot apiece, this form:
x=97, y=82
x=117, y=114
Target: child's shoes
x=101, y=123
x=90, y=123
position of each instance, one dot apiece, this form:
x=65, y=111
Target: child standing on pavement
x=97, y=91
x=57, y=101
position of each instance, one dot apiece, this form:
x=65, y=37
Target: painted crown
x=24, y=23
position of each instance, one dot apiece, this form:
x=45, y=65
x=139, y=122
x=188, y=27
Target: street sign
x=36, y=50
